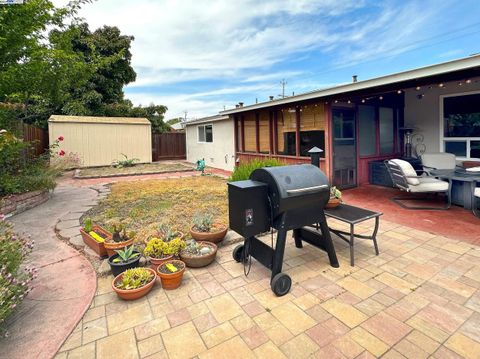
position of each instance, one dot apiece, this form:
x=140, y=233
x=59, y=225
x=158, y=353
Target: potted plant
x=158, y=251
x=124, y=259
x=167, y=234
x=134, y=283
x=335, y=198
x=198, y=254
x=171, y=273
x=119, y=240
x=205, y=229
x=94, y=236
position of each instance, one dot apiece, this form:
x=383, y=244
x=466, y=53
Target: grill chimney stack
x=271, y=98
x=354, y=78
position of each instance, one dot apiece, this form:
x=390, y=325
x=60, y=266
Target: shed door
x=344, y=148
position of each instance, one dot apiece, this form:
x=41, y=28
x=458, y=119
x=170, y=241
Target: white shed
x=211, y=138
x=99, y=141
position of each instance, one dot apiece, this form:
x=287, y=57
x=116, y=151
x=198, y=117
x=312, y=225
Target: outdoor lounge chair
x=406, y=179
x=438, y=161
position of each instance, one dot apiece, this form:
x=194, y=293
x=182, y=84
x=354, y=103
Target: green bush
x=13, y=279
x=19, y=172
x=244, y=170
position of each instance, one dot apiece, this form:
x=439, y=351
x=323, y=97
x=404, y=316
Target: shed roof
x=95, y=119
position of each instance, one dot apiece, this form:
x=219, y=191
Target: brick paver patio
x=419, y=298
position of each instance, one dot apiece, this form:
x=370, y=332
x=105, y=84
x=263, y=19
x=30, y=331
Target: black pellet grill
x=285, y=198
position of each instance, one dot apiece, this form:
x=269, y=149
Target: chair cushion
x=428, y=184
x=439, y=161
x=477, y=192
x=407, y=170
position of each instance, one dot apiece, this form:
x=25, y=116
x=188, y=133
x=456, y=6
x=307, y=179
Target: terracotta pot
x=155, y=262
x=121, y=267
x=131, y=294
x=112, y=246
x=172, y=280
x=213, y=237
x=333, y=202
x=196, y=261
x=98, y=247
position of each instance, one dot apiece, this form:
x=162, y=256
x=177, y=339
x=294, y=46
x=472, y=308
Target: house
x=354, y=123
x=211, y=138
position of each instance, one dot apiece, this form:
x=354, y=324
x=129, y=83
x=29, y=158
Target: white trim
x=455, y=139
x=204, y=125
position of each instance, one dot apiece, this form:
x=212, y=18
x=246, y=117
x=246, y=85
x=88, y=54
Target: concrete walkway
x=66, y=281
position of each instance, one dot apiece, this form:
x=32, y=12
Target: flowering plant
x=14, y=281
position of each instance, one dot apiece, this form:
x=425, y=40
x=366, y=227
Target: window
x=367, y=130
x=205, y=133
x=461, y=124
x=386, y=130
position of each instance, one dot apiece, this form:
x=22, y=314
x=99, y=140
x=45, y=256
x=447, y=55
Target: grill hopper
x=294, y=198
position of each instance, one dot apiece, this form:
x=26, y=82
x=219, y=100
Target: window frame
x=443, y=139
x=204, y=125
x=396, y=124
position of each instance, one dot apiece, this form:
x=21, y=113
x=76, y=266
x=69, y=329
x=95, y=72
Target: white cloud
x=241, y=42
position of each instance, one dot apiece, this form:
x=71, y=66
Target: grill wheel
x=281, y=284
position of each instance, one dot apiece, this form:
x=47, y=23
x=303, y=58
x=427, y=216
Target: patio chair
x=475, y=199
x=438, y=161
x=406, y=179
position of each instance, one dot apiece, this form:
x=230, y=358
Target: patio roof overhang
x=456, y=70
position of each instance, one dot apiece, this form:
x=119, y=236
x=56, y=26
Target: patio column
x=242, y=130
x=270, y=131
x=257, y=132
x=297, y=131
x=235, y=131
x=275, y=132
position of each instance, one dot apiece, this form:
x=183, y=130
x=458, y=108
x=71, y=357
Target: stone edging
x=18, y=203
x=77, y=175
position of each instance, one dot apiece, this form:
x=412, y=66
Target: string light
x=418, y=88
x=468, y=81
x=336, y=101
x=441, y=84
x=399, y=92
x=381, y=97
x=349, y=101
x=363, y=100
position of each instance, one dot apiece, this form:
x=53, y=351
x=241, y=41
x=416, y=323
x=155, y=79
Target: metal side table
x=353, y=215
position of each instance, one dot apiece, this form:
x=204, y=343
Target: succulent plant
x=125, y=255
x=197, y=249
x=167, y=233
x=203, y=222
x=157, y=248
x=134, y=278
x=119, y=232
x=88, y=225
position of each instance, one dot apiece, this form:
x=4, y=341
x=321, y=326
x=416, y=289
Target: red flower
x=60, y=138
x=61, y=153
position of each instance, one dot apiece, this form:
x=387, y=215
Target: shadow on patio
x=455, y=223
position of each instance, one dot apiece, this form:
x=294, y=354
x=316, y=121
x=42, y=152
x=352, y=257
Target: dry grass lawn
x=144, y=205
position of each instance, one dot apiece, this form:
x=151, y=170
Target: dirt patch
x=140, y=169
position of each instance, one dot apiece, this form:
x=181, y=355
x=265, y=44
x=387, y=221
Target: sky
x=204, y=56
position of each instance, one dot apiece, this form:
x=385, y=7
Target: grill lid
x=294, y=186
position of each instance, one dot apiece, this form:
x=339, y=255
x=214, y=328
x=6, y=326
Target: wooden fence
x=38, y=137
x=169, y=146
